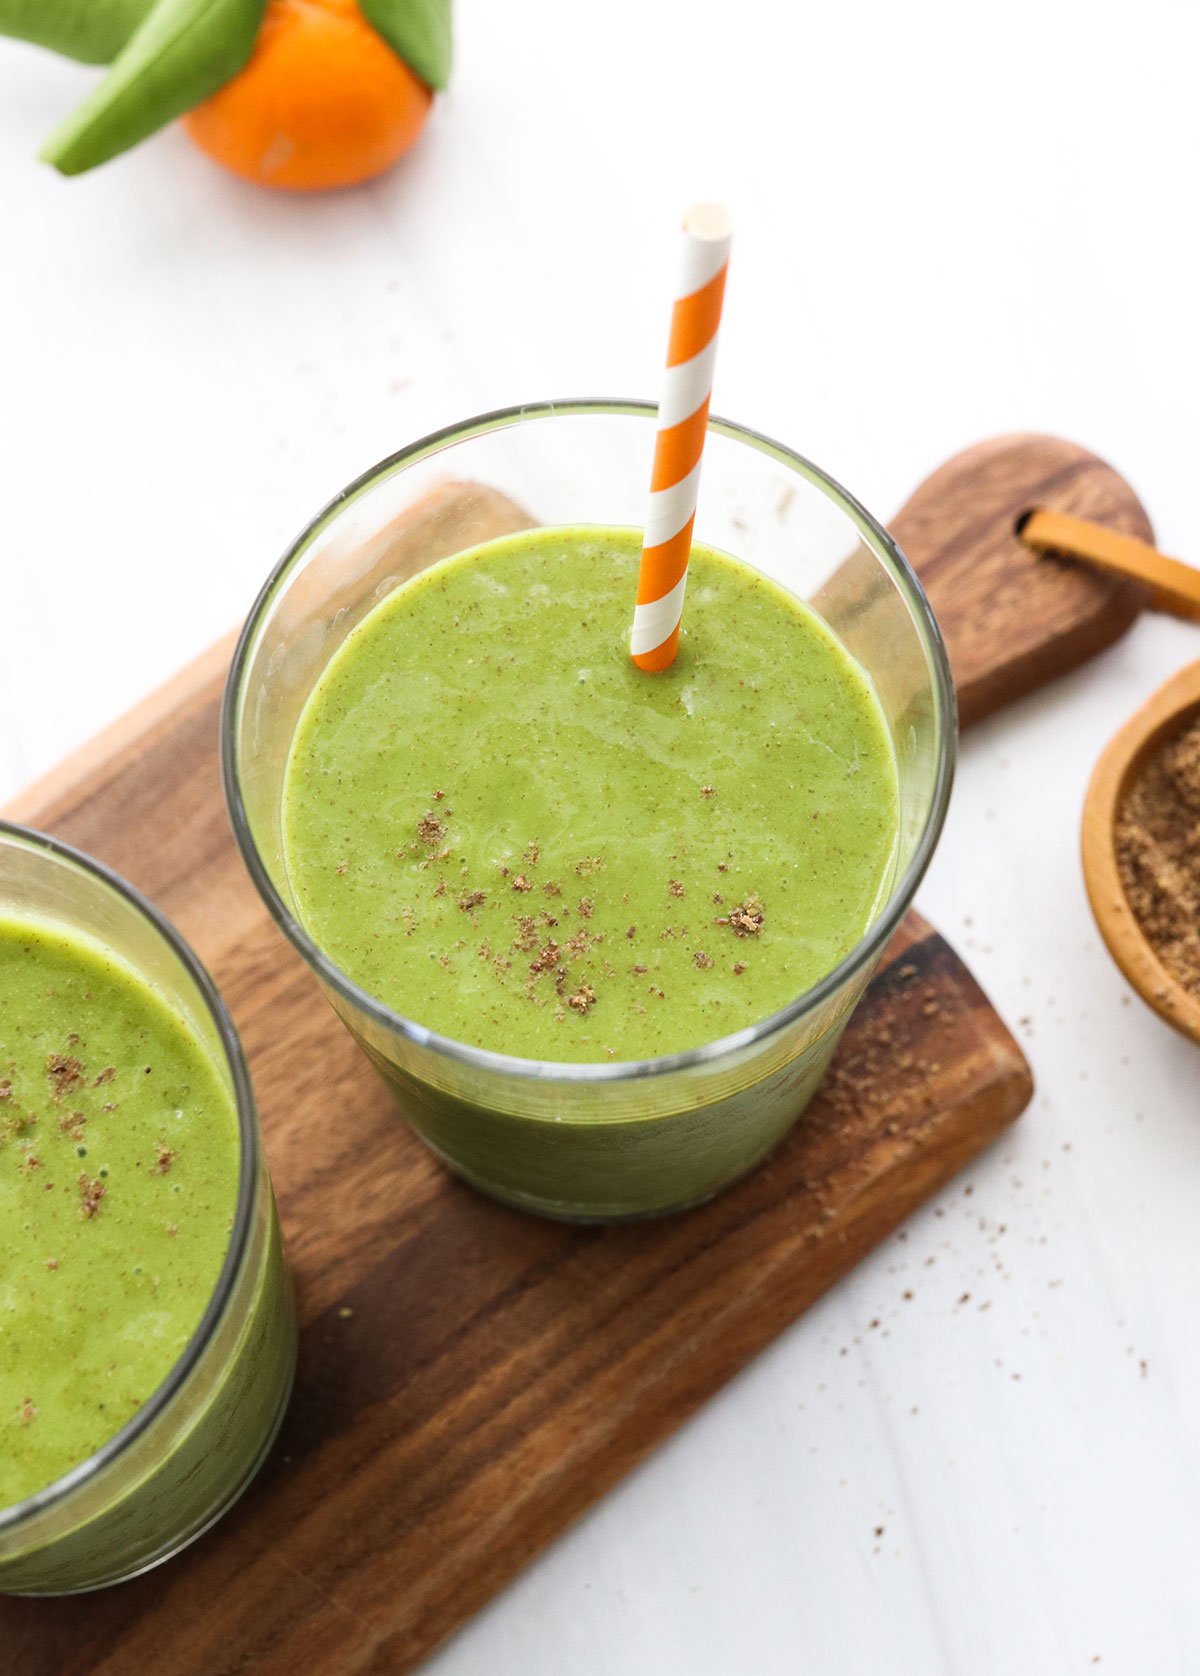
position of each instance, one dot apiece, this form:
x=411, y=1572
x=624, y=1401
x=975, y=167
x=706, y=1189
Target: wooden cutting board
x=472, y=1379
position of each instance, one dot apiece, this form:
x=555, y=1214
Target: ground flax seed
x=1158, y=853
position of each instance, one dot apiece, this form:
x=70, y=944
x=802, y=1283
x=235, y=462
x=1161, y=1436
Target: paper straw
x=679, y=438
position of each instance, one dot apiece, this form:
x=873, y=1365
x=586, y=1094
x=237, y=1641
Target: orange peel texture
x=323, y=102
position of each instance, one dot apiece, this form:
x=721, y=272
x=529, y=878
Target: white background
x=953, y=221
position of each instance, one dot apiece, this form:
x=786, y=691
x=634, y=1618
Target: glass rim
x=40, y=1501
x=865, y=951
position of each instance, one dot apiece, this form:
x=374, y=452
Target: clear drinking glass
x=591, y=1141
x=191, y=1449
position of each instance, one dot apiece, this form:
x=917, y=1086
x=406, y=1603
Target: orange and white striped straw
x=679, y=438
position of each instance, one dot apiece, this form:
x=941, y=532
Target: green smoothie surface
x=498, y=826
x=119, y=1168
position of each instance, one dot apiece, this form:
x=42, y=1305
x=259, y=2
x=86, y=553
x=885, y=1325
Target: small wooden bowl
x=1163, y=714
x=1171, y=708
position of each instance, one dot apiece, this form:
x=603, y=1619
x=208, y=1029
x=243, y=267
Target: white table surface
x=953, y=221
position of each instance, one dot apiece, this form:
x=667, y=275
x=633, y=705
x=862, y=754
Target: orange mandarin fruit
x=322, y=102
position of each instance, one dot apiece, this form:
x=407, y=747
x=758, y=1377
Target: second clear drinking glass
x=192, y=1447
x=612, y=1140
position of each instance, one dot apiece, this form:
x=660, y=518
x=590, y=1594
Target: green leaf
x=184, y=51
x=94, y=31
x=419, y=30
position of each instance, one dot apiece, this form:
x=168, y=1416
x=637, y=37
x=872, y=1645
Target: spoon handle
x=1174, y=586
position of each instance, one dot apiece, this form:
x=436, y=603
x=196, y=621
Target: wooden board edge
x=981, y=1118
x=982, y=696
x=69, y=778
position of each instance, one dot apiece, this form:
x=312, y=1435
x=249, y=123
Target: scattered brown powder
x=632, y=932
x=739, y=968
x=91, y=1191
x=674, y=886
x=708, y=791
x=589, y=864
x=583, y=998
x=546, y=960
x=552, y=889
x=527, y=934
x=471, y=899
x=746, y=921
x=702, y=960
x=533, y=853
x=430, y=829
x=64, y=1072
x=521, y=883
x=640, y=970
x=162, y=1159
x=1158, y=853
x=438, y=796
x=586, y=907
x=28, y=1411
x=106, y=1075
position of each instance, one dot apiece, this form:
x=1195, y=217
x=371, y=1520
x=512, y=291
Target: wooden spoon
x=1015, y=619
x=1172, y=707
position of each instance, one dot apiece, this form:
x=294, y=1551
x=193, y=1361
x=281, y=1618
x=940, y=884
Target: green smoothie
x=498, y=826
x=118, y=1184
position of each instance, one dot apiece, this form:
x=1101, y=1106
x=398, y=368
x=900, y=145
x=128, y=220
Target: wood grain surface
x=1173, y=707
x=470, y=1379
x=1014, y=619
